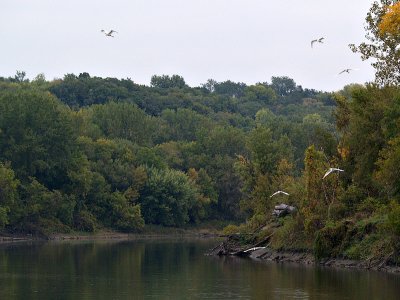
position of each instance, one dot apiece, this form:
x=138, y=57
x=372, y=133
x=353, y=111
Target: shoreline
x=265, y=253
x=308, y=259
x=109, y=235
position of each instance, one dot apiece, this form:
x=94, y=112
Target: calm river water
x=171, y=269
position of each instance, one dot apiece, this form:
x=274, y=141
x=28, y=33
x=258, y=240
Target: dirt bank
x=308, y=258
x=230, y=247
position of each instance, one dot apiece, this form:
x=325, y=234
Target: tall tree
x=283, y=85
x=37, y=136
x=383, y=35
x=167, y=82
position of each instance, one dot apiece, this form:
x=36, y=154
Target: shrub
x=329, y=240
x=393, y=220
x=85, y=221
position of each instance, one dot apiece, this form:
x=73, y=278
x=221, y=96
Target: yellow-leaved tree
x=390, y=22
x=383, y=35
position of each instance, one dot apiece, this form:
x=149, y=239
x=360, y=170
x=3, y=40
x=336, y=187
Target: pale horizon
x=241, y=41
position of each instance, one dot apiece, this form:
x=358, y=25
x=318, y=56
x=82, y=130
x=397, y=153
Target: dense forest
x=85, y=153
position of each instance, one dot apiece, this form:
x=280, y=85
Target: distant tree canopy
x=283, y=85
x=233, y=89
x=167, y=82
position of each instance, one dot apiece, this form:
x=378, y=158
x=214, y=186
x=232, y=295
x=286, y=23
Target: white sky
x=241, y=40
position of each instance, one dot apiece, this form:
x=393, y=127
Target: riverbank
x=261, y=251
x=105, y=234
x=309, y=259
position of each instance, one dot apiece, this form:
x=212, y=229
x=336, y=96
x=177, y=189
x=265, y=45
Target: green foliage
x=260, y=92
x=392, y=223
x=267, y=152
x=38, y=203
x=283, y=85
x=328, y=241
x=352, y=197
x=233, y=89
x=167, y=197
x=124, y=216
x=85, y=221
x=125, y=121
x=4, y=216
x=206, y=194
x=266, y=118
x=8, y=193
x=36, y=136
x=364, y=124
x=291, y=235
x=88, y=168
x=315, y=166
x=184, y=124
x=231, y=229
x=167, y=82
x=77, y=91
x=387, y=173
x=362, y=249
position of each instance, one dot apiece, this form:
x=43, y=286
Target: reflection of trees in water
x=166, y=269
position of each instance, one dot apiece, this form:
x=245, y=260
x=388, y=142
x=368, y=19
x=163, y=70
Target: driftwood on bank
x=232, y=247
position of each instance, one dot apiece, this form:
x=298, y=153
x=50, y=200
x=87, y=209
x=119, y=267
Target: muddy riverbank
x=262, y=251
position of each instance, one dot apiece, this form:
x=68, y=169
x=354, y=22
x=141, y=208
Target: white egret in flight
x=279, y=192
x=332, y=170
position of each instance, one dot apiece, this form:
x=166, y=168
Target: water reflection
x=171, y=269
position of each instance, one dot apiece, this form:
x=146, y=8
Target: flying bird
x=279, y=192
x=109, y=33
x=345, y=71
x=332, y=170
x=320, y=40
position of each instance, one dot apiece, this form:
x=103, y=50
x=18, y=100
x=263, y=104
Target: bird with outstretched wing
x=320, y=40
x=109, y=33
x=279, y=192
x=332, y=170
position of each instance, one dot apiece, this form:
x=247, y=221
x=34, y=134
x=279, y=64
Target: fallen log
x=232, y=247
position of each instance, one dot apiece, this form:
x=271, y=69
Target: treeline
x=87, y=152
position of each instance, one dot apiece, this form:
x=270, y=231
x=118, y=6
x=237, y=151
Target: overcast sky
x=241, y=40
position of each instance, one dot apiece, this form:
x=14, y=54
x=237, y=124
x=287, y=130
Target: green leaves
x=388, y=174
x=8, y=193
x=36, y=136
x=267, y=152
x=167, y=82
x=125, y=121
x=167, y=197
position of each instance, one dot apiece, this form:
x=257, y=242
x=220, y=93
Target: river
x=171, y=269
